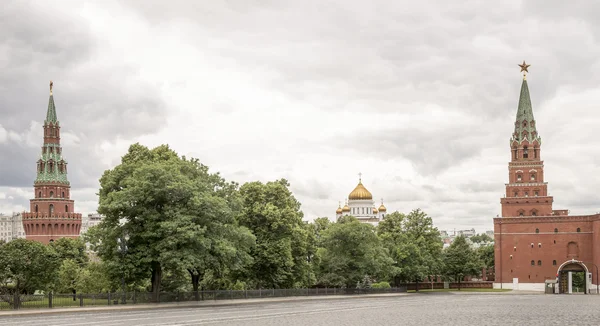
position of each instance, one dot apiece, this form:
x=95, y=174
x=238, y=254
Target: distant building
x=360, y=204
x=466, y=233
x=11, y=227
x=89, y=221
x=52, y=211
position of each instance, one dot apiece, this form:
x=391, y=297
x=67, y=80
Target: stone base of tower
x=530, y=250
x=45, y=229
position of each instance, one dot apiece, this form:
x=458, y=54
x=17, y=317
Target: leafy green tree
x=414, y=244
x=94, y=278
x=167, y=213
x=281, y=254
x=68, y=277
x=460, y=260
x=486, y=255
x=481, y=238
x=351, y=252
x=28, y=265
x=320, y=224
x=73, y=249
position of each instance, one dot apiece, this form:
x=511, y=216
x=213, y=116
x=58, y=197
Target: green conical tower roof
x=51, y=113
x=52, y=167
x=525, y=128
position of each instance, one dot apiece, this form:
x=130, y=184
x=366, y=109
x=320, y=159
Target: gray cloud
x=95, y=102
x=421, y=95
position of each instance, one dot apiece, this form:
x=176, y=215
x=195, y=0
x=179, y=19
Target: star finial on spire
x=359, y=177
x=524, y=67
x=381, y=201
x=51, y=84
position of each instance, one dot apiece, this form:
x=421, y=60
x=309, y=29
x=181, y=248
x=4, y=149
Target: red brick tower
x=51, y=213
x=526, y=191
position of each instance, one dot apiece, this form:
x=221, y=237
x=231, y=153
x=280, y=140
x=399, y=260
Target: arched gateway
x=562, y=275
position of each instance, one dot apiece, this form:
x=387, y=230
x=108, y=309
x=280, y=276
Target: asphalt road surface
x=413, y=309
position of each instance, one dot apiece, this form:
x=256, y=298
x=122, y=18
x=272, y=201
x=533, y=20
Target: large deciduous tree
x=281, y=254
x=414, y=244
x=460, y=260
x=74, y=249
x=165, y=212
x=350, y=252
x=28, y=265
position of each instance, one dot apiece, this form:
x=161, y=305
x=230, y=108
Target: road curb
x=200, y=304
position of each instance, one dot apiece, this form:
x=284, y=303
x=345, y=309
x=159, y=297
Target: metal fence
x=52, y=300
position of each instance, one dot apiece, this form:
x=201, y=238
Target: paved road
x=417, y=309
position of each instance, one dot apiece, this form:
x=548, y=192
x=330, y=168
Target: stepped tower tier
x=52, y=211
x=526, y=190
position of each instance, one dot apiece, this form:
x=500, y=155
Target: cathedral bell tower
x=51, y=213
x=526, y=191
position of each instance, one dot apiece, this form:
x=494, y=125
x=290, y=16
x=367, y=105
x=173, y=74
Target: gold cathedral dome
x=382, y=208
x=339, y=210
x=360, y=192
x=346, y=208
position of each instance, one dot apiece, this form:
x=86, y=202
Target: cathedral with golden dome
x=360, y=204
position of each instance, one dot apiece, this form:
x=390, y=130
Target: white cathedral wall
x=358, y=206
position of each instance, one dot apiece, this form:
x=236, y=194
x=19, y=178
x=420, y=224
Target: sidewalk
x=189, y=304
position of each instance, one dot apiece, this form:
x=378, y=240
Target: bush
x=381, y=285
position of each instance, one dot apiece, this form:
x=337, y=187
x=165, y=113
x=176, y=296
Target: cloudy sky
x=420, y=98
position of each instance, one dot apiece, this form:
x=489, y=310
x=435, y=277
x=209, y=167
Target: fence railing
x=53, y=300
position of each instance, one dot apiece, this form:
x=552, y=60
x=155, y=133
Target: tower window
x=578, y=229
x=51, y=194
x=555, y=230
x=525, y=152
x=36, y=208
x=536, y=193
x=66, y=208
x=526, y=193
x=520, y=213
x=534, y=213
x=539, y=263
x=532, y=263
x=537, y=230
x=516, y=194
x=63, y=194
x=533, y=177
x=539, y=244
x=40, y=194
x=532, y=245
x=51, y=209
x=519, y=177
x=554, y=262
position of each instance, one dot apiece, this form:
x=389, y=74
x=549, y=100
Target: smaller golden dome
x=346, y=208
x=374, y=210
x=382, y=208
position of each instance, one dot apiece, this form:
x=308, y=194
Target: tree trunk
x=156, y=280
x=416, y=285
x=195, y=282
x=74, y=294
